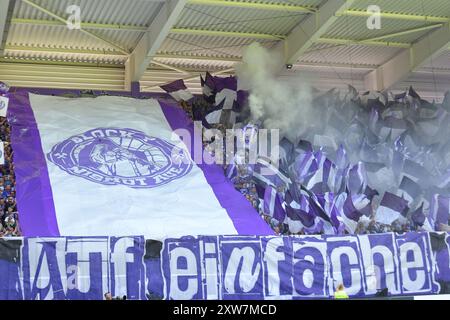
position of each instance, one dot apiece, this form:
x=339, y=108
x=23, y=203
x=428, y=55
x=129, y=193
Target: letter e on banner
x=416, y=263
x=182, y=269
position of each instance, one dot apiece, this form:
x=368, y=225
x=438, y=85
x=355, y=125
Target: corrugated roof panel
x=352, y=54
x=61, y=56
x=355, y=28
x=440, y=62
x=208, y=45
x=197, y=64
x=55, y=36
x=438, y=8
x=238, y=19
x=68, y=77
x=132, y=12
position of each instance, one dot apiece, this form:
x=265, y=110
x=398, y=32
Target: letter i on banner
x=2, y=153
x=4, y=102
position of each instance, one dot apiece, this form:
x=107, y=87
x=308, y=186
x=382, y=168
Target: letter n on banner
x=417, y=264
x=242, y=274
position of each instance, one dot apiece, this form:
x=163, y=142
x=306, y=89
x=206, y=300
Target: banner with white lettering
x=224, y=267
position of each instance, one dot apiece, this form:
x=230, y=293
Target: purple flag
x=409, y=190
x=341, y=158
x=370, y=193
x=208, y=87
x=415, y=171
x=286, y=154
x=317, y=209
x=273, y=204
x=353, y=205
x=178, y=90
x=268, y=175
x=439, y=209
x=356, y=178
x=391, y=208
x=304, y=166
x=418, y=217
x=226, y=92
x=232, y=170
x=241, y=101
x=298, y=212
x=4, y=88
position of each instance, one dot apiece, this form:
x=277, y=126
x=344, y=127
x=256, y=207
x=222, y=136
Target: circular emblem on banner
x=116, y=156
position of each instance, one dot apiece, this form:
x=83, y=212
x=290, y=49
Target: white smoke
x=283, y=105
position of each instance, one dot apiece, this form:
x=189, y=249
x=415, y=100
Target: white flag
x=4, y=102
x=2, y=153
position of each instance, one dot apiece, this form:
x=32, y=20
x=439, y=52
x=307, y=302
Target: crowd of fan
x=244, y=181
x=9, y=226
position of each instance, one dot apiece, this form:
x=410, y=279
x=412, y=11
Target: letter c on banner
x=350, y=268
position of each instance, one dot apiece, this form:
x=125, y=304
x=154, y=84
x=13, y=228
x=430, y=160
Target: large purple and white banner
x=224, y=267
x=116, y=166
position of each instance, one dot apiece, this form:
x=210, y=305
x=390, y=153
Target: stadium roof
x=156, y=41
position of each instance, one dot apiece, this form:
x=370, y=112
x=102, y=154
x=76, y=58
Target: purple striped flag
x=178, y=90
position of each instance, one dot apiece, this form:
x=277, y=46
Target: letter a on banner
x=4, y=102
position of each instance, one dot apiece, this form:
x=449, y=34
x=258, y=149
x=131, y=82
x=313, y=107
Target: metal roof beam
x=342, y=42
x=151, y=41
x=234, y=34
x=86, y=25
x=311, y=29
x=395, y=16
x=399, y=67
x=63, y=50
x=287, y=7
x=404, y=32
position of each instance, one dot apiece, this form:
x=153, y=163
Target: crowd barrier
x=224, y=267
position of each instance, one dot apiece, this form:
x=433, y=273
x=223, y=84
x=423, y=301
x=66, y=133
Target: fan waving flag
x=115, y=166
